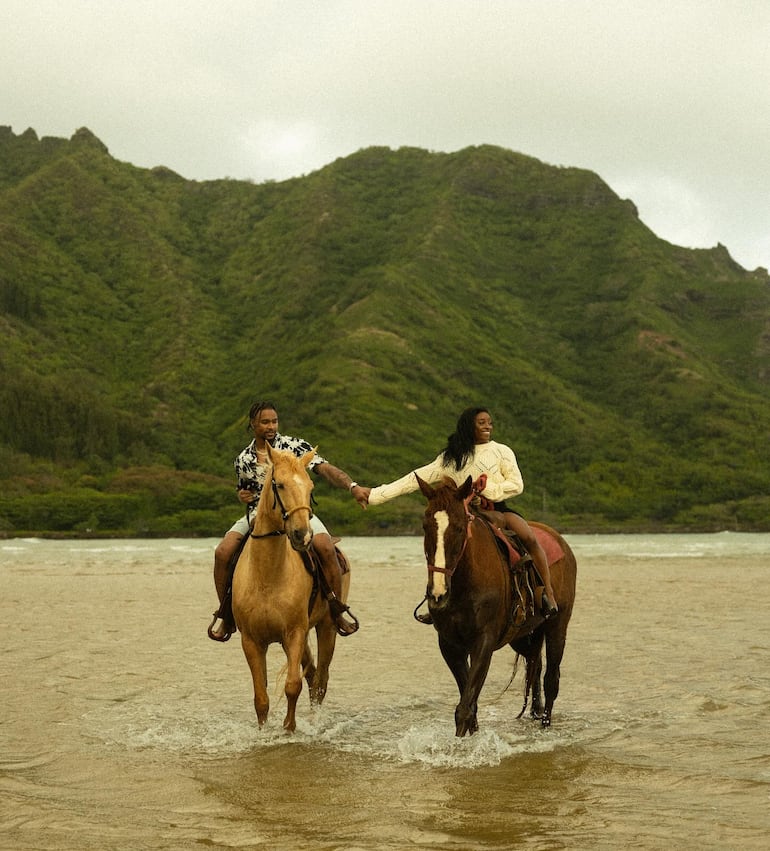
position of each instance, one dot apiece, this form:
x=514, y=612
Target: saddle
x=312, y=566
x=528, y=585
x=320, y=583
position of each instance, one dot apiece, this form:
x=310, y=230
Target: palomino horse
x=275, y=597
x=472, y=598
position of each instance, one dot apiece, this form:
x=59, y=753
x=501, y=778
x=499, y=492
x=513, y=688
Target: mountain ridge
x=372, y=300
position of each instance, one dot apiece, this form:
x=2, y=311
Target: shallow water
x=124, y=727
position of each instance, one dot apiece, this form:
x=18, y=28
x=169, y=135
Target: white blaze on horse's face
x=438, y=580
x=299, y=481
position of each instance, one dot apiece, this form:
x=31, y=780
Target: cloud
x=665, y=101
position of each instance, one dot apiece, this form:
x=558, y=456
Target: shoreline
x=118, y=535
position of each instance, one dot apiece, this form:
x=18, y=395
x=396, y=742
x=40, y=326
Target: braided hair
x=256, y=409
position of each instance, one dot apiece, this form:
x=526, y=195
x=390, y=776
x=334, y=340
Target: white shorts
x=241, y=526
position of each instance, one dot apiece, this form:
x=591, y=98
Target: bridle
x=285, y=514
x=469, y=518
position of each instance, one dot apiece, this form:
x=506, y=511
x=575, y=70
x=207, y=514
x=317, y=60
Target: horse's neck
x=266, y=549
x=266, y=521
x=481, y=556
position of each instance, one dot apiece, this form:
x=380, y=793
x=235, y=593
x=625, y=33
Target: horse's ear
x=465, y=488
x=308, y=456
x=427, y=490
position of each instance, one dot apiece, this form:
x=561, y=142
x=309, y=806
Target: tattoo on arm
x=333, y=475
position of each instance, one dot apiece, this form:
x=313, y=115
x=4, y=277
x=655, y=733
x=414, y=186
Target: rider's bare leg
x=225, y=550
x=327, y=555
x=222, y=554
x=516, y=523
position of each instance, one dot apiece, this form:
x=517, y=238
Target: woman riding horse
x=470, y=451
x=480, y=604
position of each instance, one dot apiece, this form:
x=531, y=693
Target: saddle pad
x=553, y=550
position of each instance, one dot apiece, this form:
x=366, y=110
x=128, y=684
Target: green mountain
x=141, y=313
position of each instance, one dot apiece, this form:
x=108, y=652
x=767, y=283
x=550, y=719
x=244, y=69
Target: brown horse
x=472, y=598
x=275, y=596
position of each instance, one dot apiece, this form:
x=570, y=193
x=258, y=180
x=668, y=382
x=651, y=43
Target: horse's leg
x=308, y=667
x=534, y=657
x=466, y=711
x=326, y=635
x=326, y=638
x=294, y=647
x=555, y=640
x=256, y=657
x=457, y=662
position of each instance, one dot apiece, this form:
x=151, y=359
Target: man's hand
x=340, y=479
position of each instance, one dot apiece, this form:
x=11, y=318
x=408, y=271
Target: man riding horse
x=250, y=469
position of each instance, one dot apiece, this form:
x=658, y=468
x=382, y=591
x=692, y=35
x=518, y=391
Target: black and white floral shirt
x=251, y=474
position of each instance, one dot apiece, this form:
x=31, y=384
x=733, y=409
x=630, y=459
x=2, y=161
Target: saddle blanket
x=551, y=547
x=553, y=550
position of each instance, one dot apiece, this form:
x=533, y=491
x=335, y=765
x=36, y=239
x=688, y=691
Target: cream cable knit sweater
x=495, y=459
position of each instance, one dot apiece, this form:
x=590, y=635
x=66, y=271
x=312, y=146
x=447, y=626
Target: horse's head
x=286, y=496
x=446, y=525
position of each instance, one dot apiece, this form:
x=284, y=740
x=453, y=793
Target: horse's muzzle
x=438, y=603
x=300, y=539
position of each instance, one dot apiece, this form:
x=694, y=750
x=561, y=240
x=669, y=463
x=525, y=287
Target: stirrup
x=337, y=609
x=426, y=618
x=218, y=636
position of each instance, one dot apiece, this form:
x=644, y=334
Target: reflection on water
x=124, y=727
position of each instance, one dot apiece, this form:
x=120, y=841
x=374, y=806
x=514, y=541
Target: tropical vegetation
x=372, y=300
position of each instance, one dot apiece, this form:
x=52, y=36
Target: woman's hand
x=361, y=495
x=480, y=483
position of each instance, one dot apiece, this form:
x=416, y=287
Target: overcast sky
x=669, y=102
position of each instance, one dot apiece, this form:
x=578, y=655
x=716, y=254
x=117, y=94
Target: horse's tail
x=513, y=674
x=281, y=676
x=527, y=687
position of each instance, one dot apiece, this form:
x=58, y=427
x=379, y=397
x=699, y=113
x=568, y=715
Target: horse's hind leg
x=554, y=651
x=531, y=648
x=326, y=635
x=308, y=667
x=535, y=675
x=256, y=658
x=534, y=678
